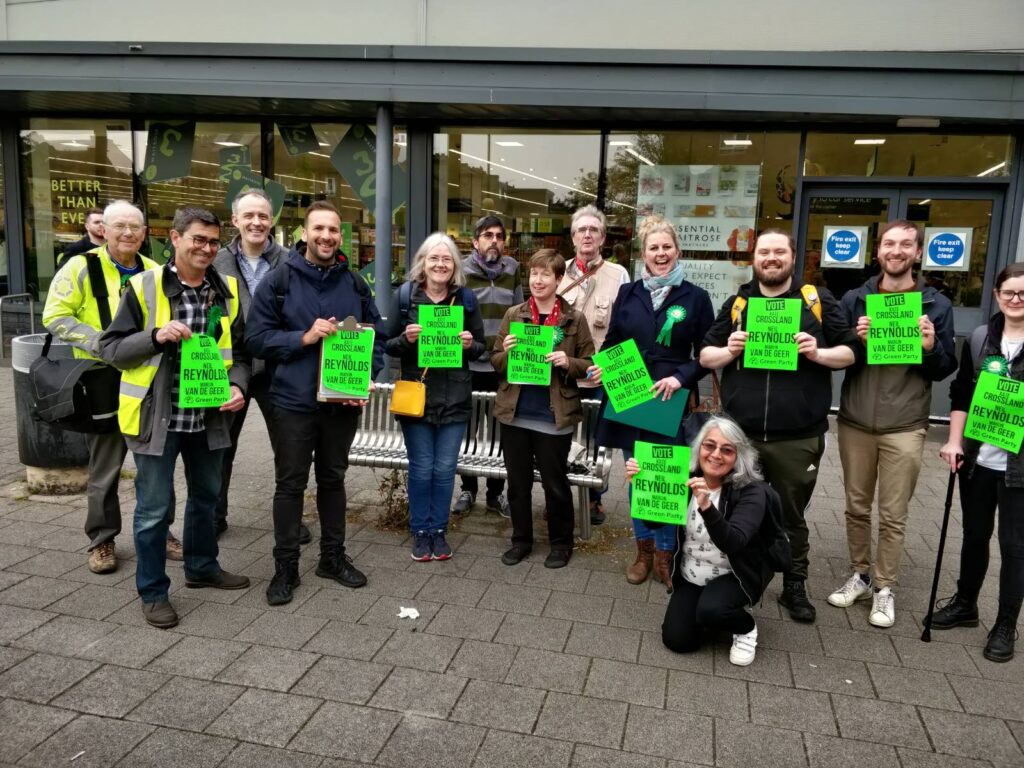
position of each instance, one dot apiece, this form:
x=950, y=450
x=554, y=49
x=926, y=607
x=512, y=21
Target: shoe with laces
x=160, y=614
x=439, y=546
x=744, y=647
x=499, y=504
x=957, y=611
x=421, y=546
x=463, y=504
x=286, y=580
x=338, y=566
x=103, y=559
x=853, y=590
x=883, y=608
x=516, y=554
x=174, y=550
x=794, y=599
x=221, y=580
x=999, y=647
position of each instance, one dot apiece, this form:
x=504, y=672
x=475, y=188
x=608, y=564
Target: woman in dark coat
x=667, y=316
x=721, y=566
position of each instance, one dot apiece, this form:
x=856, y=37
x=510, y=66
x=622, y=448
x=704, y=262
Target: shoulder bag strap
x=580, y=279
x=99, y=288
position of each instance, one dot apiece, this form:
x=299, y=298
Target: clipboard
x=325, y=394
x=655, y=415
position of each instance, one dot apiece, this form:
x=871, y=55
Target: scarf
x=492, y=271
x=553, y=317
x=659, y=287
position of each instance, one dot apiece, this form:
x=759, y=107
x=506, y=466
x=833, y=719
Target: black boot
x=335, y=564
x=282, y=586
x=794, y=599
x=1000, y=640
x=959, y=611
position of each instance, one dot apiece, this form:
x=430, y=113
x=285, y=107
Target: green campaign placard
x=660, y=493
x=624, y=375
x=168, y=150
x=772, y=325
x=203, y=378
x=526, y=363
x=299, y=138
x=894, y=337
x=440, y=345
x=996, y=416
x=346, y=360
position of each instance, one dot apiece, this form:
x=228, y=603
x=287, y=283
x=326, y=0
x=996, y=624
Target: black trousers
x=322, y=438
x=980, y=494
x=693, y=610
x=520, y=448
x=484, y=381
x=259, y=390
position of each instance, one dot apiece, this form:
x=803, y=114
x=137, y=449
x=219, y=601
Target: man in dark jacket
x=95, y=236
x=883, y=418
x=249, y=257
x=292, y=311
x=785, y=413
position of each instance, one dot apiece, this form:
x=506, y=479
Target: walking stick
x=926, y=635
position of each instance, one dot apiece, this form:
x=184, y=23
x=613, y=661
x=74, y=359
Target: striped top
x=494, y=297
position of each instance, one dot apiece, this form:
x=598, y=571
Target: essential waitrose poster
x=712, y=207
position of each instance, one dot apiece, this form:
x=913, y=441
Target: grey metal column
x=14, y=231
x=421, y=184
x=382, y=211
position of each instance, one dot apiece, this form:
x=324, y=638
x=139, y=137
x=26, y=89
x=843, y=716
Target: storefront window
x=533, y=181
x=718, y=188
x=907, y=154
x=69, y=166
x=5, y=272
x=337, y=162
x=181, y=162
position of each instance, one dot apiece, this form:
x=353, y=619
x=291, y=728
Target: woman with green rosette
x=990, y=477
x=667, y=316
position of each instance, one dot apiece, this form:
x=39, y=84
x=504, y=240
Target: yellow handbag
x=409, y=398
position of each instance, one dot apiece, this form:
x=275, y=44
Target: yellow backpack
x=809, y=292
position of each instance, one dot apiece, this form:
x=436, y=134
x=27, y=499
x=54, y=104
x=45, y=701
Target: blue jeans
x=154, y=511
x=433, y=455
x=664, y=537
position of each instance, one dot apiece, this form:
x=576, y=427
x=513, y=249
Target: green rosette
x=559, y=334
x=996, y=364
x=674, y=314
x=213, y=316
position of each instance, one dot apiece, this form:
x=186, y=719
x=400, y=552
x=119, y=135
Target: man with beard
x=296, y=307
x=590, y=285
x=249, y=257
x=94, y=237
x=883, y=418
x=495, y=280
x=785, y=413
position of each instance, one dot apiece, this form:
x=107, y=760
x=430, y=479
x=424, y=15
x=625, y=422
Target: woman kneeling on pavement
x=990, y=477
x=538, y=422
x=433, y=440
x=721, y=563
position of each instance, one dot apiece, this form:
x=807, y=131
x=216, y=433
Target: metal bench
x=379, y=443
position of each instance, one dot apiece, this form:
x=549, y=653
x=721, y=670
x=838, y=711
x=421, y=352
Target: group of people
x=752, y=466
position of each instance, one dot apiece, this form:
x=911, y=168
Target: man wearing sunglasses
x=883, y=418
x=495, y=280
x=160, y=310
x=74, y=315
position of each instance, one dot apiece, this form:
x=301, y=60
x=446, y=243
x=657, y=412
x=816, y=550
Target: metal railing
x=31, y=315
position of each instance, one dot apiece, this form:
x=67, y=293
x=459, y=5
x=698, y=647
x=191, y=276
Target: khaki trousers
x=893, y=462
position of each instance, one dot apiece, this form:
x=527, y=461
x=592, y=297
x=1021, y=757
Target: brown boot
x=638, y=572
x=663, y=568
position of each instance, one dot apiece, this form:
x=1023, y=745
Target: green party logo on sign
x=203, y=377
x=894, y=337
x=439, y=344
x=772, y=325
x=660, y=493
x=527, y=360
x=168, y=150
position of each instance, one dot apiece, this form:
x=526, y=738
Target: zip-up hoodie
x=783, y=405
x=882, y=399
x=275, y=334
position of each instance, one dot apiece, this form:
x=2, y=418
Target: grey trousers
x=106, y=456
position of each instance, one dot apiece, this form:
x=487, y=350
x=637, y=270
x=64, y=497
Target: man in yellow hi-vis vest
x=159, y=413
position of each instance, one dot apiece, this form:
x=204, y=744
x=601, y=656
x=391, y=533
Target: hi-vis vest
x=156, y=313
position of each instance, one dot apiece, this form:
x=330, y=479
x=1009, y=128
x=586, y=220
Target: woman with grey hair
x=433, y=440
x=721, y=566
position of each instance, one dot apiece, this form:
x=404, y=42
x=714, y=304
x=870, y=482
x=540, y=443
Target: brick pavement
x=505, y=666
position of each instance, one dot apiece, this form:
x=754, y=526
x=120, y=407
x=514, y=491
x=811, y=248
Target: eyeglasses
x=588, y=230
x=440, y=260
x=491, y=236
x=1011, y=295
x=204, y=242
x=133, y=228
x=725, y=449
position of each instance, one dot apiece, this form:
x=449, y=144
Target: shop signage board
x=168, y=151
x=843, y=247
x=948, y=248
x=355, y=158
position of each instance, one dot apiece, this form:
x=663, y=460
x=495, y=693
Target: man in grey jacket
x=249, y=257
x=883, y=418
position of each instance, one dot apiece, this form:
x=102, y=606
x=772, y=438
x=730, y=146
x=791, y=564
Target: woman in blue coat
x=667, y=316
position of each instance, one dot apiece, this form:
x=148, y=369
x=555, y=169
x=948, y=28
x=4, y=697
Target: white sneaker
x=883, y=609
x=853, y=590
x=743, y=648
